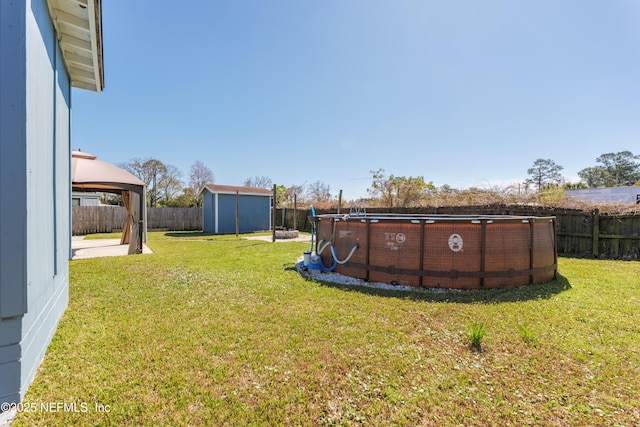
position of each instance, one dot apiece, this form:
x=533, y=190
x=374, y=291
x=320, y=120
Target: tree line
x=165, y=187
x=545, y=183
x=612, y=170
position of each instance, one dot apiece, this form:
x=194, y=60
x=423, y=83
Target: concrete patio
x=82, y=249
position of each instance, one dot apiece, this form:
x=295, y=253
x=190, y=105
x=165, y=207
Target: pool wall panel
x=452, y=248
x=507, y=252
x=544, y=250
x=447, y=251
x=394, y=246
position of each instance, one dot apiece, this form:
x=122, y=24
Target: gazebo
x=88, y=173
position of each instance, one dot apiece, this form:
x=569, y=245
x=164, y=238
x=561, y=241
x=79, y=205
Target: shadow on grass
x=200, y=235
x=209, y=236
x=188, y=234
x=482, y=296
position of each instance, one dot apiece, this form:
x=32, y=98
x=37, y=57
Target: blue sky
x=463, y=92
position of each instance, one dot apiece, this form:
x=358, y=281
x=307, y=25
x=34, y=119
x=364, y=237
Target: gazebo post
x=143, y=217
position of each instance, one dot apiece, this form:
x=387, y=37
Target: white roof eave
x=78, y=25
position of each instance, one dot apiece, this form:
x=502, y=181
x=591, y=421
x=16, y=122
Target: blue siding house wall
x=619, y=195
x=219, y=209
x=35, y=188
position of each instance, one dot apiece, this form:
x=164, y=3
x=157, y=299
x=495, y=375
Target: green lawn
x=223, y=331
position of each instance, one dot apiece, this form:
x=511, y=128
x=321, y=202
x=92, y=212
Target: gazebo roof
x=88, y=173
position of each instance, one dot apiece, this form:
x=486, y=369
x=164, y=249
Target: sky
x=465, y=93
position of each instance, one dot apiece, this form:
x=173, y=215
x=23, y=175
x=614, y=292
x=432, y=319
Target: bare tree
x=318, y=192
x=399, y=191
x=258, y=182
x=199, y=175
x=382, y=188
x=148, y=170
x=294, y=192
x=169, y=184
x=136, y=167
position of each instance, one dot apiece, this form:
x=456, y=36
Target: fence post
x=237, y=214
x=532, y=223
x=273, y=215
x=596, y=232
x=483, y=251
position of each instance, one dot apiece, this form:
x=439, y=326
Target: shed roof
x=79, y=27
x=231, y=189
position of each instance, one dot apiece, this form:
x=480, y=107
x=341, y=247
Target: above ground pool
x=439, y=251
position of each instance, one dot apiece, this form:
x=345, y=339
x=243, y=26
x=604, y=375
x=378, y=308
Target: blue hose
x=333, y=266
x=313, y=228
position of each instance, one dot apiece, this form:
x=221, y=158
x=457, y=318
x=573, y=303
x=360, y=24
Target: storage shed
x=222, y=204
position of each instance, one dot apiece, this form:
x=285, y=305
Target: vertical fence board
x=105, y=219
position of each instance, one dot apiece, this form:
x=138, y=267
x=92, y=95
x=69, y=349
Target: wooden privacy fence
x=579, y=233
x=178, y=219
x=105, y=219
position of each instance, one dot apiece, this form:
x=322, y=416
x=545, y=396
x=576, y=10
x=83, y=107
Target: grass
x=477, y=332
x=101, y=236
x=214, y=330
x=528, y=335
